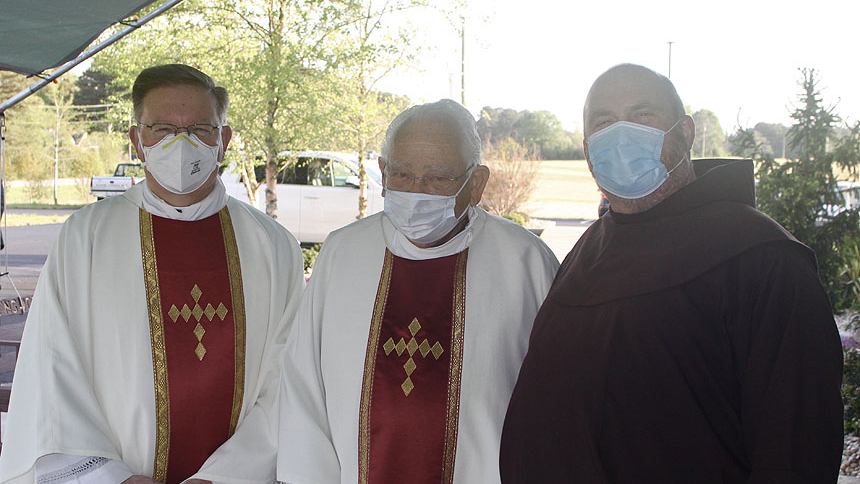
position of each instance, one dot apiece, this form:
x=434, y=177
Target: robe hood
x=705, y=223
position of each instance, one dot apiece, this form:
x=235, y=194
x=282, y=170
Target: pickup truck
x=125, y=175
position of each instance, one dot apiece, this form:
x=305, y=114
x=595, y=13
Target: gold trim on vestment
x=369, y=368
x=159, y=354
x=452, y=419
x=238, y=295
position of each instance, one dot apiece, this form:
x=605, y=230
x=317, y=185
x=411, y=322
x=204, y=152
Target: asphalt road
x=24, y=255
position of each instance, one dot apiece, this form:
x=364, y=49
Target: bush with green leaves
x=851, y=387
x=309, y=254
x=801, y=194
x=518, y=218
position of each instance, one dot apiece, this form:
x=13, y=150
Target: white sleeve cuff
x=74, y=469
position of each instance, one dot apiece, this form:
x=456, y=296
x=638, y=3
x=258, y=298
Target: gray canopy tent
x=38, y=35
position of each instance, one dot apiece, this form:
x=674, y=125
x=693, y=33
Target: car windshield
x=373, y=171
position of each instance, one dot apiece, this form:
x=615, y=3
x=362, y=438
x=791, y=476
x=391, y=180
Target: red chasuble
x=411, y=390
x=197, y=326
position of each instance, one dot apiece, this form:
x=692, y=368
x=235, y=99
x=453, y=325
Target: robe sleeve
x=249, y=456
x=53, y=408
x=306, y=453
x=62, y=468
x=791, y=406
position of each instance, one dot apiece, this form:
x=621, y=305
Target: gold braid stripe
x=238, y=297
x=159, y=355
x=456, y=371
x=369, y=368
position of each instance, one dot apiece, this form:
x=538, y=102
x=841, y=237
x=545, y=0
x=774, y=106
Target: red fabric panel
x=407, y=432
x=201, y=391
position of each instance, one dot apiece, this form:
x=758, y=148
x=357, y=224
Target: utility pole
x=670, y=58
x=783, y=143
x=463, y=61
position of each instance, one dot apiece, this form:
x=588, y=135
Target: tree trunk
x=362, y=187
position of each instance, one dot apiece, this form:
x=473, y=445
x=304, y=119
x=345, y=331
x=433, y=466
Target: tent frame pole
x=130, y=27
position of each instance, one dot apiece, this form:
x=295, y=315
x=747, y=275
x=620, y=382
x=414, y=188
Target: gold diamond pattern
x=199, y=331
x=197, y=312
x=221, y=311
x=409, y=366
x=388, y=346
x=173, y=313
x=406, y=386
x=186, y=312
x=400, y=347
x=437, y=350
x=200, y=351
x=209, y=312
x=412, y=346
x=414, y=326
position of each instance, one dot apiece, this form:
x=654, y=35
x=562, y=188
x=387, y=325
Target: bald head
x=635, y=94
x=628, y=92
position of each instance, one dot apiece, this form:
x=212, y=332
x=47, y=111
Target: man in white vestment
x=411, y=332
x=152, y=350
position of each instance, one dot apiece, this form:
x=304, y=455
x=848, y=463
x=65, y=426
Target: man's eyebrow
x=646, y=105
x=599, y=112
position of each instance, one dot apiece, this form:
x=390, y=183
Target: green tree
x=540, y=130
x=801, y=194
x=710, y=138
x=372, y=49
x=284, y=63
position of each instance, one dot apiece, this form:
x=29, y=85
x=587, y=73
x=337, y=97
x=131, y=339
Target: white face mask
x=421, y=217
x=180, y=163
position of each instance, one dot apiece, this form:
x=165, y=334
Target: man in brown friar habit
x=152, y=349
x=687, y=337
x=413, y=326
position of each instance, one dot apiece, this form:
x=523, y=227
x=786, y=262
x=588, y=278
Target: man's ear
x=226, y=136
x=381, y=162
x=478, y=180
x=585, y=151
x=688, y=126
x=133, y=134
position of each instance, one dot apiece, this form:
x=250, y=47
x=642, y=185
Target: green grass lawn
x=17, y=219
x=565, y=189
x=68, y=196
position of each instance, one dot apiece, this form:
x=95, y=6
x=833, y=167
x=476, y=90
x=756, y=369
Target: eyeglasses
x=203, y=131
x=403, y=181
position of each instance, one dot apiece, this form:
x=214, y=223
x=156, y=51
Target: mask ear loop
x=682, y=157
x=140, y=145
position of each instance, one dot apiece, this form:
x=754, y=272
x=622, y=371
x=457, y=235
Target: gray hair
x=175, y=75
x=446, y=110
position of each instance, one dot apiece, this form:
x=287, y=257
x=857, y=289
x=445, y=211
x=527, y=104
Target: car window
x=340, y=174
x=373, y=171
x=319, y=172
x=125, y=169
x=295, y=173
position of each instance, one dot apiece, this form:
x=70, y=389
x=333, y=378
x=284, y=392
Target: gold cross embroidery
x=197, y=312
x=412, y=346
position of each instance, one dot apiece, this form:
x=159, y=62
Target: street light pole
x=463, y=61
x=670, y=58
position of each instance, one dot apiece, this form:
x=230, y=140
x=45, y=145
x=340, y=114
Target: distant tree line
x=540, y=132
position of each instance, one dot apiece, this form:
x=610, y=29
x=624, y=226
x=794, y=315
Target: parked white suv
x=317, y=192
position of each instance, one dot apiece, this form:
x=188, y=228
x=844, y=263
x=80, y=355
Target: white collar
x=400, y=246
x=212, y=204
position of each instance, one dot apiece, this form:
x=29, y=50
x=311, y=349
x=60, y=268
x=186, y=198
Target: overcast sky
x=737, y=58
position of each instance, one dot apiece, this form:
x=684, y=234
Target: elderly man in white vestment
x=152, y=349
x=412, y=329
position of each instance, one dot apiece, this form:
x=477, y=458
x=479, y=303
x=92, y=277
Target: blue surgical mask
x=625, y=159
